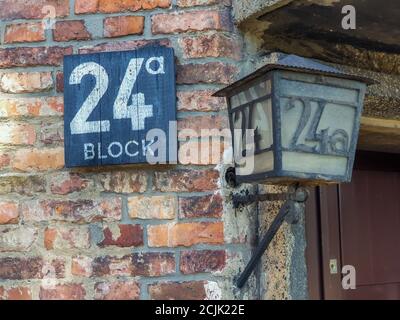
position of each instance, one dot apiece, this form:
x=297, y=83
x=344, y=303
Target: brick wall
x=132, y=232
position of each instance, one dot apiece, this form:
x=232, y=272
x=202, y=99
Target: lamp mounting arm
x=290, y=211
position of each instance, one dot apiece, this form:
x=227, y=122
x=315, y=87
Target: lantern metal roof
x=294, y=63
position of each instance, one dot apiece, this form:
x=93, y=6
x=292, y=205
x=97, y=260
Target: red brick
x=31, y=107
x=191, y=290
x=67, y=182
x=51, y=133
x=122, y=235
x=33, y=56
x=186, y=180
x=185, y=234
x=107, y=209
x=17, y=239
x=24, y=32
x=123, y=26
x=200, y=101
x=118, y=290
x=60, y=81
x=214, y=45
x=81, y=266
x=4, y=160
x=210, y=206
x=29, y=160
x=124, y=45
x=202, y=261
x=152, y=207
x=22, y=9
x=190, y=21
x=86, y=6
x=107, y=6
x=212, y=72
x=64, y=237
x=148, y=264
x=29, y=268
x=17, y=133
x=26, y=82
x=19, y=293
x=192, y=3
x=202, y=151
x=8, y=212
x=70, y=291
x=70, y=30
x=124, y=181
x=203, y=126
x=24, y=185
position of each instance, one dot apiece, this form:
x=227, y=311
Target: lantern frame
x=293, y=68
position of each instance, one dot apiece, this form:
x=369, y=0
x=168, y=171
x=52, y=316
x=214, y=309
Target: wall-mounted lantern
x=292, y=122
x=305, y=119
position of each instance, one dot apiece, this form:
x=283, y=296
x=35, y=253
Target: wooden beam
x=381, y=135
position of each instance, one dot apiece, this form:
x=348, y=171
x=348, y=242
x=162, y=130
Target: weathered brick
x=122, y=235
x=201, y=125
x=86, y=6
x=60, y=81
x=190, y=21
x=30, y=268
x=148, y=264
x=185, y=234
x=124, y=181
x=24, y=32
x=214, y=45
x=31, y=107
x=193, y=3
x=24, y=185
x=202, y=151
x=32, y=56
x=186, y=180
x=107, y=6
x=114, y=266
x=211, y=72
x=67, y=182
x=107, y=209
x=69, y=291
x=16, y=239
x=123, y=26
x=117, y=290
x=17, y=133
x=81, y=266
x=152, y=207
x=8, y=212
x=200, y=100
x=71, y=30
x=65, y=237
x=22, y=9
x=19, y=293
x=26, y=82
x=5, y=160
x=190, y=290
x=202, y=261
x=51, y=133
x=124, y=45
x=210, y=206
x=29, y=160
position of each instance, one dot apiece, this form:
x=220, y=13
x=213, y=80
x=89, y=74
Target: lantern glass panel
x=318, y=124
x=251, y=119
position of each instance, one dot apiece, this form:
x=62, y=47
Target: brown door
x=357, y=224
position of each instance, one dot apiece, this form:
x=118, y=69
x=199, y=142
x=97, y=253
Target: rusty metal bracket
x=289, y=212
